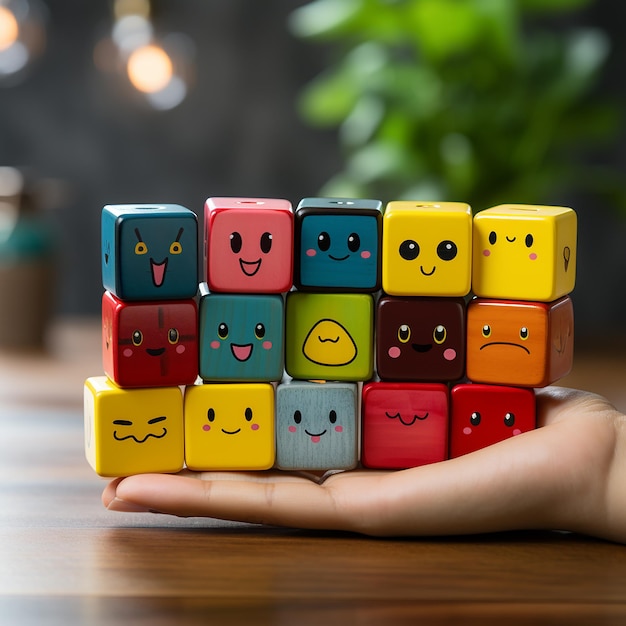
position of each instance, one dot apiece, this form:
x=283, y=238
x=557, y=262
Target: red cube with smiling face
x=149, y=344
x=249, y=245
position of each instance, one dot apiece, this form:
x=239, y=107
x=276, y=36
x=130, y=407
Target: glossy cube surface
x=132, y=431
x=404, y=424
x=149, y=252
x=420, y=339
x=524, y=252
x=482, y=415
x=427, y=249
x=329, y=336
x=229, y=426
x=149, y=344
x=249, y=245
x=241, y=337
x=509, y=342
x=316, y=425
x=338, y=244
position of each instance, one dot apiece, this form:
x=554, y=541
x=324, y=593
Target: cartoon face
x=316, y=425
x=420, y=339
x=519, y=343
x=149, y=344
x=485, y=414
x=156, y=252
x=329, y=336
x=404, y=424
x=338, y=246
x=249, y=245
x=427, y=249
x=524, y=252
x=229, y=426
x=132, y=431
x=241, y=337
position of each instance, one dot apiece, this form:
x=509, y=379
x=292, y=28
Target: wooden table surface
x=65, y=560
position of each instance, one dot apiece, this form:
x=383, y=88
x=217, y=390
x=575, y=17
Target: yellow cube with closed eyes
x=427, y=248
x=132, y=431
x=524, y=252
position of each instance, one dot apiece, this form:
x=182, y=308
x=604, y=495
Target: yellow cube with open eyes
x=229, y=426
x=524, y=252
x=427, y=249
x=133, y=431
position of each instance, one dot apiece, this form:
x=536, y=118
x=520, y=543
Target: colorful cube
x=482, y=415
x=329, y=336
x=249, y=245
x=132, y=431
x=509, y=342
x=420, y=339
x=241, y=337
x=337, y=244
x=149, y=344
x=149, y=252
x=524, y=252
x=316, y=425
x=427, y=249
x=404, y=424
x=229, y=426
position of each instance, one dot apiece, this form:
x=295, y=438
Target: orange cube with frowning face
x=526, y=344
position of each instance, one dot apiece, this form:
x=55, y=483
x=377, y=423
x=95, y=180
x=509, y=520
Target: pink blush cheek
x=467, y=430
x=338, y=429
x=215, y=345
x=292, y=429
x=267, y=345
x=486, y=252
x=180, y=349
x=449, y=354
x=255, y=427
x=127, y=352
x=366, y=254
x=517, y=431
x=206, y=428
x=532, y=256
x=394, y=352
x=311, y=252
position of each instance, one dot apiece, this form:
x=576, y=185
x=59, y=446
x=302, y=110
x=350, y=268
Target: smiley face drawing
x=316, y=425
x=229, y=426
x=404, y=424
x=132, y=431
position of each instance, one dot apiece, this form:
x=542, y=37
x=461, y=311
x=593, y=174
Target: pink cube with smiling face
x=248, y=245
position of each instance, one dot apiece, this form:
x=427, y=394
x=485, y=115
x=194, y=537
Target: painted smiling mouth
x=250, y=268
x=421, y=347
x=242, y=352
x=158, y=271
x=428, y=273
x=155, y=351
x=339, y=258
x=505, y=343
x=315, y=434
x=405, y=421
x=231, y=432
x=139, y=440
x=510, y=239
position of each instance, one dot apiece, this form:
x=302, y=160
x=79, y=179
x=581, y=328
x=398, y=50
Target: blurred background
x=132, y=101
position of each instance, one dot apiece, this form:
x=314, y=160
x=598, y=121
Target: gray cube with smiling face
x=316, y=425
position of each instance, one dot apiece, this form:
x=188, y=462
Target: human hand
x=568, y=474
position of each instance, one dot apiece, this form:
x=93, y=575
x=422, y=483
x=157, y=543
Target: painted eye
x=259, y=331
x=447, y=250
x=529, y=240
x=475, y=418
x=486, y=330
x=409, y=250
x=266, y=242
x=248, y=414
x=122, y=422
x=439, y=334
x=523, y=333
x=137, y=338
x=509, y=419
x=210, y=414
x=173, y=335
x=354, y=242
x=332, y=416
x=323, y=241
x=235, y=242
x=176, y=247
x=141, y=248
x=492, y=237
x=297, y=417
x=404, y=333
x=222, y=331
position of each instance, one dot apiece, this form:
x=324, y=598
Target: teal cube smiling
x=149, y=251
x=241, y=337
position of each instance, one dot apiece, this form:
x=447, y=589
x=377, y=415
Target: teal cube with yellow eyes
x=241, y=337
x=149, y=251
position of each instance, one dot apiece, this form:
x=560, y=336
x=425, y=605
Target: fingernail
x=122, y=506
